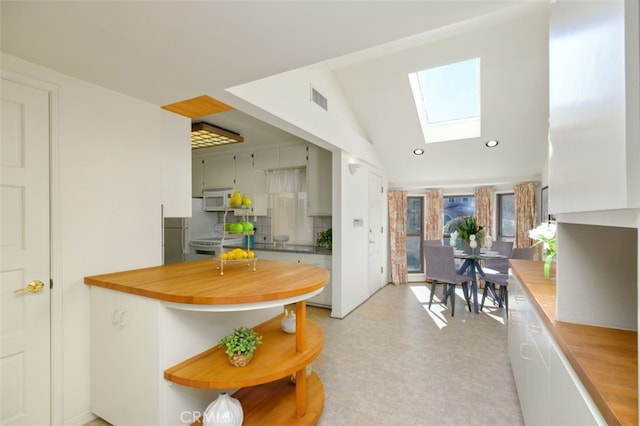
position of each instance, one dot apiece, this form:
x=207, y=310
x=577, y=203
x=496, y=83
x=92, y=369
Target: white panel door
x=25, y=387
x=376, y=263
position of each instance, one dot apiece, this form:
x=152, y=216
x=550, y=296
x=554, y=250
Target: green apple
x=247, y=226
x=236, y=227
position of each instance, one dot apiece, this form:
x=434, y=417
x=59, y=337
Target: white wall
x=514, y=106
x=107, y=173
x=286, y=96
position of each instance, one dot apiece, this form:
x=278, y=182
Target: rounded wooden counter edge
x=200, y=283
x=619, y=409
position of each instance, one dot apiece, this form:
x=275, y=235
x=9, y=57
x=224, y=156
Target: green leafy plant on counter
x=324, y=239
x=243, y=341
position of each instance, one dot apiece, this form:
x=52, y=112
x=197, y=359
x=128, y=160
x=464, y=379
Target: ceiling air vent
x=317, y=98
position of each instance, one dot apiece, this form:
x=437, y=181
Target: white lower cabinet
x=134, y=339
x=324, y=298
x=124, y=358
x=549, y=391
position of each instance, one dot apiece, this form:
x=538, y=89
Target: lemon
x=251, y=254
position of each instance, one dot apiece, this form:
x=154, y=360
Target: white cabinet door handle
x=117, y=317
x=535, y=329
x=522, y=354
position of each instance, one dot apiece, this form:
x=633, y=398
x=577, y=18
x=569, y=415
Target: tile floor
x=393, y=362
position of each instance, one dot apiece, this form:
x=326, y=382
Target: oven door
x=204, y=249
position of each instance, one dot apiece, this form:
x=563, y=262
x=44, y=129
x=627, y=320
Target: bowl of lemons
x=236, y=256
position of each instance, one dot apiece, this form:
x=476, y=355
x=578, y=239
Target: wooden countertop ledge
x=605, y=359
x=200, y=283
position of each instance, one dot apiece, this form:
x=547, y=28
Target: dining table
x=472, y=266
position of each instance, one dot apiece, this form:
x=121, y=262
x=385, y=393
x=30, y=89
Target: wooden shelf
x=275, y=358
x=275, y=403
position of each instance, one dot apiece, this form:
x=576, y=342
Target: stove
x=214, y=243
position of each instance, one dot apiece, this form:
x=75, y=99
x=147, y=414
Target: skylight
x=448, y=100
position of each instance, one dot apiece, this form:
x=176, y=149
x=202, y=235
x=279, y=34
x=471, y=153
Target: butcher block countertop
x=200, y=282
x=605, y=359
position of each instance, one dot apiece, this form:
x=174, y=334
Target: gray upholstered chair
x=441, y=269
x=432, y=242
x=499, y=265
x=492, y=279
x=525, y=253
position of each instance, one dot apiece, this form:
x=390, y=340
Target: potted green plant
x=240, y=345
x=469, y=227
x=324, y=239
x=471, y=234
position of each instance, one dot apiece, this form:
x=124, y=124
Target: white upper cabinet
x=176, y=173
x=197, y=177
x=218, y=171
x=265, y=158
x=251, y=182
x=594, y=106
x=243, y=181
x=292, y=156
x=244, y=171
x=319, y=181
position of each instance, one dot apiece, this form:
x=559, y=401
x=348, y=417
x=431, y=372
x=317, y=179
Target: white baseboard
x=81, y=420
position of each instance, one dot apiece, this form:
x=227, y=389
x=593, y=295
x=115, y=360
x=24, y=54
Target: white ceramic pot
x=223, y=411
x=289, y=322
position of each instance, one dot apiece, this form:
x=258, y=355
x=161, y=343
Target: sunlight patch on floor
x=437, y=309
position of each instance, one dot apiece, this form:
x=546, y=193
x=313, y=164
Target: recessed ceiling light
x=418, y=151
x=491, y=143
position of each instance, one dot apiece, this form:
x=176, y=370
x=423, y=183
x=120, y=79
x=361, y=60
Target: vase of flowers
x=545, y=234
x=471, y=234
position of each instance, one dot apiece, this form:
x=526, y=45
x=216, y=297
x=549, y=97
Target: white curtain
x=286, y=181
x=288, y=191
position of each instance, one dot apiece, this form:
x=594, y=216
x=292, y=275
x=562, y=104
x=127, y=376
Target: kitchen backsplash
x=262, y=225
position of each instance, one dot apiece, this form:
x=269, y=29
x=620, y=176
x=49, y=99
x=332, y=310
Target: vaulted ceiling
x=166, y=51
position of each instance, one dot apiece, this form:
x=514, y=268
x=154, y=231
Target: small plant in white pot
x=240, y=345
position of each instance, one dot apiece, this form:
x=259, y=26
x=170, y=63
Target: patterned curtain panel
x=398, y=235
x=484, y=209
x=434, y=226
x=525, y=203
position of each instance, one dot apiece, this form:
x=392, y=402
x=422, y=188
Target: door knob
x=33, y=287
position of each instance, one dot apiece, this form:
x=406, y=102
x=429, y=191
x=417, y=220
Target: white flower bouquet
x=545, y=234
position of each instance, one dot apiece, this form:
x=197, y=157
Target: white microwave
x=214, y=200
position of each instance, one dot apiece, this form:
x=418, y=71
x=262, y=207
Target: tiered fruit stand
x=251, y=261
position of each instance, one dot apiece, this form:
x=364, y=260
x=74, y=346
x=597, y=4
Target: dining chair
x=526, y=253
x=492, y=279
x=433, y=242
x=504, y=248
x=441, y=269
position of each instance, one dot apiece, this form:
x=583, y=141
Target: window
x=455, y=208
x=448, y=100
x=289, y=217
x=506, y=217
x=415, y=234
